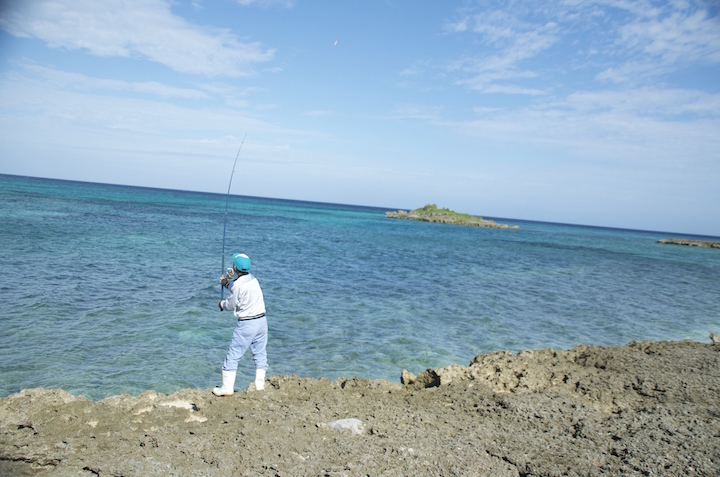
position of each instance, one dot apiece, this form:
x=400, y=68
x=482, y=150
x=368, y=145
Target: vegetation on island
x=432, y=213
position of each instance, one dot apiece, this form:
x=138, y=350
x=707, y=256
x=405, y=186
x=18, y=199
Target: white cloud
x=268, y=3
x=507, y=42
x=676, y=37
x=79, y=82
x=493, y=73
x=69, y=108
x=656, y=41
x=635, y=129
x=319, y=113
x=511, y=89
x=459, y=26
x=417, y=68
x=427, y=113
x=135, y=28
x=623, y=41
x=51, y=126
x=660, y=103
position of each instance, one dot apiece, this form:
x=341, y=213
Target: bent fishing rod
x=229, y=272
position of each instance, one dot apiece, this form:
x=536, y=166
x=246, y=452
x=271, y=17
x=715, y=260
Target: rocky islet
x=690, y=243
x=431, y=213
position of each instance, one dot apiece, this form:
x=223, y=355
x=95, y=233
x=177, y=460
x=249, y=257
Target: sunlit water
x=108, y=289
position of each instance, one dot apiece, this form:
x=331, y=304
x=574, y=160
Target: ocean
x=112, y=289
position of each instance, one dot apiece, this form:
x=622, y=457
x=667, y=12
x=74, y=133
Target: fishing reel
x=225, y=279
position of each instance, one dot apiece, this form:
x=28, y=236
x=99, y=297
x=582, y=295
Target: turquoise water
x=111, y=289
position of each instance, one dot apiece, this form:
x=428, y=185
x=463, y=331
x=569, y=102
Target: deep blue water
x=112, y=289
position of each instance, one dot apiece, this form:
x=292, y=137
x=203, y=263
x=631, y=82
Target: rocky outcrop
x=690, y=243
x=647, y=408
x=603, y=375
x=431, y=213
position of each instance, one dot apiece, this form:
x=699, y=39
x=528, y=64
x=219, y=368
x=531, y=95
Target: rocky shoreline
x=690, y=243
x=647, y=408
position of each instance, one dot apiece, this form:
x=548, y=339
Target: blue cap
x=241, y=262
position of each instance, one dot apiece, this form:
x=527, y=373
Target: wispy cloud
x=641, y=40
x=504, y=42
x=80, y=82
x=511, y=89
x=319, y=113
x=425, y=113
x=268, y=3
x=675, y=36
x=67, y=117
x=639, y=128
x=660, y=103
x=658, y=41
x=135, y=28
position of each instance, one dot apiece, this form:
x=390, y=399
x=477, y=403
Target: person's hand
x=224, y=281
x=220, y=305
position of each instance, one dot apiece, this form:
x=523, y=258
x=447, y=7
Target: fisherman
x=247, y=303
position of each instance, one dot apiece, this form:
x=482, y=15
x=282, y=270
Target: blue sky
x=590, y=112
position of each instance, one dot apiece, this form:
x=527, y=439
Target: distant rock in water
x=691, y=243
x=431, y=213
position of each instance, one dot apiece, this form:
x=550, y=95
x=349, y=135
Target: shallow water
x=111, y=289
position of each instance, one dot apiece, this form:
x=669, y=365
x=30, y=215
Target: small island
x=431, y=213
x=690, y=243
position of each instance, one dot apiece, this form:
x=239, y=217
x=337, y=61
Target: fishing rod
x=229, y=272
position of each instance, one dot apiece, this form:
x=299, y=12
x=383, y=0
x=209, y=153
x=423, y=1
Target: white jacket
x=246, y=298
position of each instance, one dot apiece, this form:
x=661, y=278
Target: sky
x=592, y=112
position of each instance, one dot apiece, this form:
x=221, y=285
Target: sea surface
x=112, y=289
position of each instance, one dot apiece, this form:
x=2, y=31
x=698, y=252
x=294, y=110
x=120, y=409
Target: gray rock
x=690, y=243
x=350, y=424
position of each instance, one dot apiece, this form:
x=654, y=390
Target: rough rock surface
x=648, y=408
x=691, y=243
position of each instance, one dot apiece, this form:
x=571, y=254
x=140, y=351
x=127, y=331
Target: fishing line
x=228, y=273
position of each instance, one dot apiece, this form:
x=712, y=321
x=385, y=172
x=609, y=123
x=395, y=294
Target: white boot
x=228, y=385
x=259, y=379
